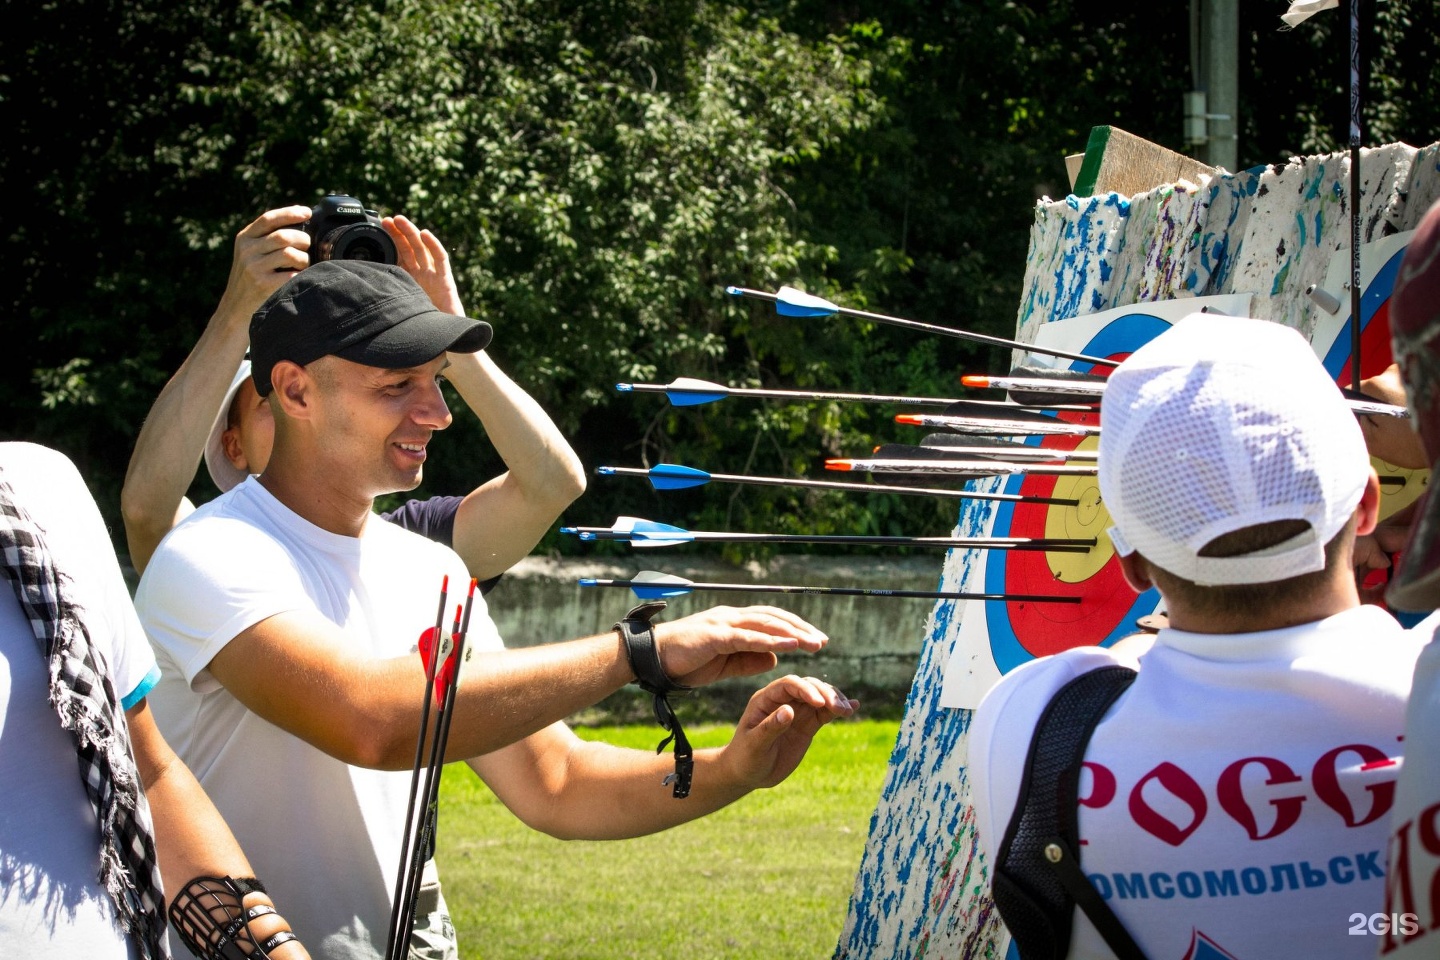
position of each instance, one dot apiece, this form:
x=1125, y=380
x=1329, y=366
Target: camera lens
x=356, y=241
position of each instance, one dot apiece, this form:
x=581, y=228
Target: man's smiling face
x=375, y=423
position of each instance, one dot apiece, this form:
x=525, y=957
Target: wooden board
x=1120, y=162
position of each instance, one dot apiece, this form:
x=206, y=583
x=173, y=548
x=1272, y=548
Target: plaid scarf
x=84, y=699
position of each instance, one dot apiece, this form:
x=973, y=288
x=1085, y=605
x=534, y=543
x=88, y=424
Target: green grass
x=769, y=876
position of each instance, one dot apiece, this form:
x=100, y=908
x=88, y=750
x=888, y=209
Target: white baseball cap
x=1222, y=423
x=225, y=474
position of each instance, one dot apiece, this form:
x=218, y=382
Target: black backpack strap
x=1037, y=881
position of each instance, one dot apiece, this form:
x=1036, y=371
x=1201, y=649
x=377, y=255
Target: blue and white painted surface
x=922, y=890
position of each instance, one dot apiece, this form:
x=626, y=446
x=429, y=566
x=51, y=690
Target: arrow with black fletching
x=964, y=417
x=959, y=446
x=673, y=476
x=654, y=585
x=1039, y=385
x=790, y=302
x=648, y=533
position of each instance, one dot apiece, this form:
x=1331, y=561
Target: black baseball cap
x=358, y=310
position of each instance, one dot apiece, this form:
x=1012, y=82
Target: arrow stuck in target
x=672, y=476
x=690, y=392
x=1043, y=390
x=648, y=533
x=790, y=302
x=654, y=585
x=1016, y=424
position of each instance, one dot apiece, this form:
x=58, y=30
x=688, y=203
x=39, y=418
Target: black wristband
x=644, y=656
x=642, y=651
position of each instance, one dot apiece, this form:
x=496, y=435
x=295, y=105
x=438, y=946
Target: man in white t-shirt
x=1412, y=887
x=284, y=617
x=1232, y=801
x=74, y=664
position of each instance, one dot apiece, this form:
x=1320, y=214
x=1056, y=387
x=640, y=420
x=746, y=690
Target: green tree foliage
x=600, y=171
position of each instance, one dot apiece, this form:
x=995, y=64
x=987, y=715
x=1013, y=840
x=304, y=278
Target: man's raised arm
x=499, y=522
x=168, y=450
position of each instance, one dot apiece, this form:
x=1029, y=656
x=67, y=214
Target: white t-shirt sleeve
x=1003, y=727
x=52, y=491
x=200, y=591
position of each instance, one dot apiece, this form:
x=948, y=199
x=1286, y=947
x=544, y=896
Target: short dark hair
x=1229, y=599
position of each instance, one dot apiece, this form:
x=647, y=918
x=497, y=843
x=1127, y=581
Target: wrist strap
x=644, y=656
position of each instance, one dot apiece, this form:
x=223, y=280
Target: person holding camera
x=210, y=406
x=284, y=617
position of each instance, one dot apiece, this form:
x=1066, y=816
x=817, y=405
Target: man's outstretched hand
x=778, y=726
x=731, y=642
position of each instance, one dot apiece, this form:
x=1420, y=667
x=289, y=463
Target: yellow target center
x=1087, y=520
x=1395, y=497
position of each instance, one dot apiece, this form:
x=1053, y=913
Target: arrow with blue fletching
x=648, y=533
x=673, y=476
x=654, y=585
x=690, y=392
x=790, y=302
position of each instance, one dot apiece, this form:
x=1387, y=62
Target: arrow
x=690, y=392
x=402, y=876
x=654, y=585
x=790, y=302
x=1066, y=388
x=958, y=468
x=671, y=476
x=1039, y=391
x=648, y=533
x=934, y=447
x=442, y=661
x=1011, y=425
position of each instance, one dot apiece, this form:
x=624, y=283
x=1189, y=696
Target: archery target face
x=1108, y=608
x=996, y=636
x=1332, y=341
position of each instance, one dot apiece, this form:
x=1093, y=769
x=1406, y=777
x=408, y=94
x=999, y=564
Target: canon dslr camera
x=341, y=228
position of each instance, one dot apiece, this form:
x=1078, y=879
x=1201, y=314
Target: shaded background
x=599, y=172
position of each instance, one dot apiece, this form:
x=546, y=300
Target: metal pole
x=1220, y=63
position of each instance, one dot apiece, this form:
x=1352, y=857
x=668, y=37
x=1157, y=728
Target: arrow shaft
x=862, y=487
x=984, y=425
x=777, y=394
x=1096, y=389
x=1059, y=545
x=1013, y=452
x=1089, y=388
x=837, y=591
x=967, y=468
x=942, y=331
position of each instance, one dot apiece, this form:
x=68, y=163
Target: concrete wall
x=874, y=641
